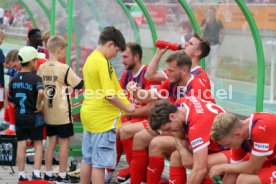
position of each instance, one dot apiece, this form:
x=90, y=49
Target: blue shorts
x=99, y=149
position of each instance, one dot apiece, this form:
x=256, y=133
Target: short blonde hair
x=46, y=35
x=56, y=42
x=223, y=125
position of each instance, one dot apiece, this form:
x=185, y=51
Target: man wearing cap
x=26, y=94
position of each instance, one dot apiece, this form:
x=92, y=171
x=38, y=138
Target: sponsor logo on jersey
x=261, y=146
x=196, y=142
x=262, y=128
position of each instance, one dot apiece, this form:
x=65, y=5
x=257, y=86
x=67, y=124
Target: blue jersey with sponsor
x=23, y=90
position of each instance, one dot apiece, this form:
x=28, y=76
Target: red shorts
x=227, y=153
x=145, y=123
x=132, y=120
x=267, y=174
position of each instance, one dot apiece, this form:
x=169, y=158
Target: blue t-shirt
x=23, y=90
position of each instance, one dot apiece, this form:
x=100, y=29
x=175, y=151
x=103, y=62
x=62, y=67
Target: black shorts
x=33, y=134
x=62, y=131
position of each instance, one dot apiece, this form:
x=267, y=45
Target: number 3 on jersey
x=22, y=97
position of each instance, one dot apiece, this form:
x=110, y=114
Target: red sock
x=123, y=174
x=138, y=167
x=11, y=113
x=207, y=181
x=155, y=169
x=127, y=147
x=110, y=170
x=178, y=175
x=119, y=150
x=6, y=115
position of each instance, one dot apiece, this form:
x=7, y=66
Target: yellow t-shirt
x=97, y=113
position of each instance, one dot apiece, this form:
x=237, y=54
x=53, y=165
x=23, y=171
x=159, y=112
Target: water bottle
x=172, y=46
x=217, y=180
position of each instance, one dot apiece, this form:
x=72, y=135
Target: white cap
x=28, y=53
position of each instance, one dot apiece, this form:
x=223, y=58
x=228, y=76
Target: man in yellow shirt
x=102, y=107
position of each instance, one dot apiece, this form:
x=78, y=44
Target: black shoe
x=55, y=162
x=50, y=178
x=68, y=179
x=21, y=178
x=34, y=177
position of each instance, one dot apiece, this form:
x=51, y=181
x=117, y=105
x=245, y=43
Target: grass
x=14, y=40
x=5, y=3
x=242, y=71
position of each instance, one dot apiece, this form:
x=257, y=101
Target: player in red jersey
x=196, y=48
x=194, y=87
x=135, y=72
x=179, y=65
x=255, y=135
x=180, y=83
x=176, y=128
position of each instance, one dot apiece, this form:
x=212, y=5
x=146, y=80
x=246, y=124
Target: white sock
x=49, y=173
x=62, y=174
x=37, y=173
x=21, y=173
x=12, y=127
x=44, y=143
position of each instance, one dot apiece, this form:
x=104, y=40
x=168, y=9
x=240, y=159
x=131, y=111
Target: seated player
x=196, y=48
x=180, y=83
x=179, y=128
x=254, y=135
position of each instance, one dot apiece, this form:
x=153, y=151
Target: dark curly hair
x=159, y=114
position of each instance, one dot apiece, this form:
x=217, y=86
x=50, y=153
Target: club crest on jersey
x=196, y=142
x=261, y=146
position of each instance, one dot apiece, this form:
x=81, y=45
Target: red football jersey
x=199, y=120
x=197, y=72
x=40, y=61
x=261, y=140
x=194, y=87
x=200, y=73
x=140, y=79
